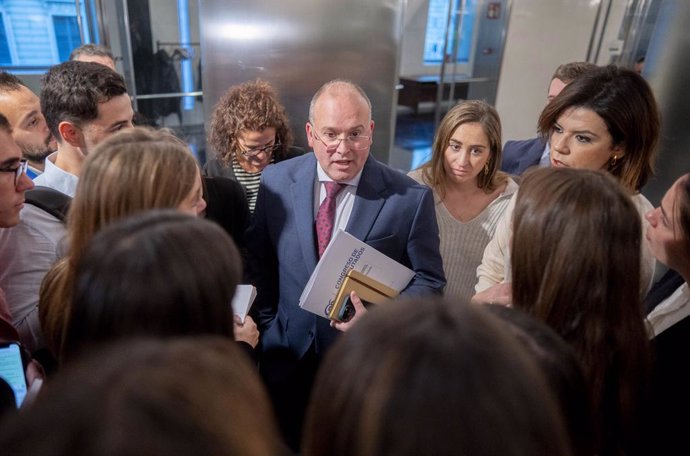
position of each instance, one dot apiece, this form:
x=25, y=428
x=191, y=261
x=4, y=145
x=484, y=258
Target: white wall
x=542, y=34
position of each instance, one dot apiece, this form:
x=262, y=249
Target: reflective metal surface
x=666, y=68
x=298, y=45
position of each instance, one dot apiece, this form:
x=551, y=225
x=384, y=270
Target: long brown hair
x=576, y=265
x=431, y=377
x=474, y=111
x=130, y=172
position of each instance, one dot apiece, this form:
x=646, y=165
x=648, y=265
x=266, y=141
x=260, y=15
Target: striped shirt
x=248, y=181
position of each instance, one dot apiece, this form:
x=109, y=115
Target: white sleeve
x=495, y=265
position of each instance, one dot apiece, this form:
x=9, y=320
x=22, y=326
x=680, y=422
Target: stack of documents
x=344, y=253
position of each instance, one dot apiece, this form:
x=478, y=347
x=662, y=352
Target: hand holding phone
x=12, y=370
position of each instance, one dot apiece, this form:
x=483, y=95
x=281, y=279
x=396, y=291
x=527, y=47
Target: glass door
x=159, y=50
x=459, y=60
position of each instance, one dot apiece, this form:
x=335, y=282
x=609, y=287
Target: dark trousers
x=289, y=382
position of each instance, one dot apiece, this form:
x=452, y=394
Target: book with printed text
x=345, y=253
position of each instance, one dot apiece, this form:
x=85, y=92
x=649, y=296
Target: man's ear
x=71, y=134
x=309, y=127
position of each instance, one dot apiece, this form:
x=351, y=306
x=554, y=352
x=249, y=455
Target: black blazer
x=226, y=205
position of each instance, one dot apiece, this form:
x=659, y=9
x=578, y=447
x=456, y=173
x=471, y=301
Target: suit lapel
x=369, y=200
x=533, y=155
x=302, y=193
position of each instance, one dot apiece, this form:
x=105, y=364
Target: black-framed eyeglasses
x=332, y=141
x=268, y=150
x=18, y=170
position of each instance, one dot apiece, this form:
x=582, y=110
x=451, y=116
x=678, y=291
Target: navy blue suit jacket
x=520, y=155
x=391, y=213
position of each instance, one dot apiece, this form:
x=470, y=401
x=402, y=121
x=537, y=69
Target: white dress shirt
x=57, y=178
x=670, y=311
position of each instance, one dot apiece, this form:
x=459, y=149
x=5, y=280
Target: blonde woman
x=131, y=172
x=470, y=191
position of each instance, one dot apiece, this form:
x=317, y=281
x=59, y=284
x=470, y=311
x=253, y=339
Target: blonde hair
x=130, y=172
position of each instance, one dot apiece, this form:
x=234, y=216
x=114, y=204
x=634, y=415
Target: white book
x=243, y=299
x=343, y=253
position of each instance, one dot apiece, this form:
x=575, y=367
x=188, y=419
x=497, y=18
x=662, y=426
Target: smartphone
x=12, y=370
x=347, y=311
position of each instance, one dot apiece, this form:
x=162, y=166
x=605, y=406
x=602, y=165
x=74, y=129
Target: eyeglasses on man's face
x=332, y=141
x=18, y=170
x=268, y=150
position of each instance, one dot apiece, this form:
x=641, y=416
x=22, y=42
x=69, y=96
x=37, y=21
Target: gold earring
x=614, y=159
x=486, y=169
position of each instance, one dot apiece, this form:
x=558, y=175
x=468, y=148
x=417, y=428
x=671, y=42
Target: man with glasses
x=374, y=203
x=13, y=183
x=83, y=103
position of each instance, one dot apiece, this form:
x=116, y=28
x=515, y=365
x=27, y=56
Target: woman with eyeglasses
x=470, y=191
x=249, y=131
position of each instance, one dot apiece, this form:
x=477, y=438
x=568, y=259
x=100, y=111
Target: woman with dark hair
x=431, y=377
x=669, y=240
x=161, y=273
x=175, y=397
x=607, y=120
x=575, y=261
x=470, y=191
x=249, y=131
x=561, y=369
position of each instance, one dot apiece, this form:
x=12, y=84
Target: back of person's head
x=473, y=111
x=181, y=397
x=561, y=369
x=9, y=82
x=73, y=90
x=160, y=273
x=251, y=106
x=132, y=171
x=576, y=266
x=431, y=377
x=568, y=72
x=129, y=172
x=626, y=104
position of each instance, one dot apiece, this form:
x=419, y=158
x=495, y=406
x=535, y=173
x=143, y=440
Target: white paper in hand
x=346, y=252
x=243, y=299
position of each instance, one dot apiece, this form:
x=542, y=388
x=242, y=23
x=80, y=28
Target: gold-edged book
x=368, y=290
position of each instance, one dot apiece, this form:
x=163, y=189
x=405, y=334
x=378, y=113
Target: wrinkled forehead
x=341, y=108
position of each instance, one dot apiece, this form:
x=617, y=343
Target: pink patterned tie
x=326, y=214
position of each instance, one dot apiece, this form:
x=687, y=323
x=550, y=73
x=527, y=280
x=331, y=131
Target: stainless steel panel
x=667, y=67
x=298, y=45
